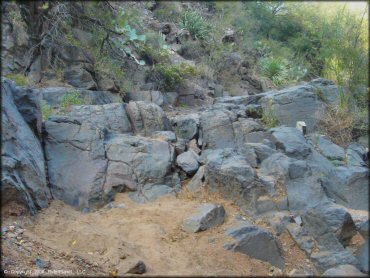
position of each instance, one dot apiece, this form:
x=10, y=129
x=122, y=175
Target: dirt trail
x=109, y=241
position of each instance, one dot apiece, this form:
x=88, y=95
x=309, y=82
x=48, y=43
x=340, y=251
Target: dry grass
x=337, y=124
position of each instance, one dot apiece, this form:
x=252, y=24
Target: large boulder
x=147, y=117
x=230, y=173
x=255, y=242
x=94, y=140
x=217, y=129
x=188, y=161
x=349, y=186
x=291, y=141
x=186, y=126
x=76, y=162
x=23, y=166
x=137, y=160
x=336, y=218
x=298, y=103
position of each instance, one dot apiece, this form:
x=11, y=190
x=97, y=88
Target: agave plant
x=275, y=69
x=195, y=24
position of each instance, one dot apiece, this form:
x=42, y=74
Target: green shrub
x=170, y=77
x=195, y=24
x=155, y=49
x=275, y=69
x=69, y=99
x=269, y=118
x=19, y=79
x=46, y=110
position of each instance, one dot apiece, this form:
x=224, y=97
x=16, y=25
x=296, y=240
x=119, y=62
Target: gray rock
x=301, y=236
x=217, y=129
x=344, y=271
x=149, y=96
x=28, y=102
x=328, y=148
x=291, y=141
x=137, y=268
x=277, y=165
x=298, y=169
x=258, y=137
x=197, y=181
x=112, y=116
x=261, y=150
x=356, y=155
x=336, y=218
x=186, y=126
x=304, y=193
x=265, y=204
x=79, y=77
x=146, y=117
x=23, y=166
x=208, y=216
x=364, y=229
x=142, y=160
x=256, y=243
x=150, y=193
x=188, y=161
x=72, y=148
x=168, y=136
x=298, y=103
x=54, y=95
x=363, y=256
x=180, y=146
x=348, y=186
x=229, y=173
x=110, y=162
x=326, y=90
x=325, y=260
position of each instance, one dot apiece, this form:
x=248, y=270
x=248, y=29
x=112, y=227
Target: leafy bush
x=19, y=79
x=195, y=24
x=170, y=77
x=269, y=118
x=46, y=110
x=155, y=50
x=69, y=99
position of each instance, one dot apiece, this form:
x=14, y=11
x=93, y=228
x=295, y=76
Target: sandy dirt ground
x=62, y=241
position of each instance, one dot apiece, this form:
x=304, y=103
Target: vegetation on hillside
x=282, y=43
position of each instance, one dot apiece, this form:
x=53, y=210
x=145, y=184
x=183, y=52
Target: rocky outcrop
x=53, y=96
x=91, y=153
x=23, y=166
